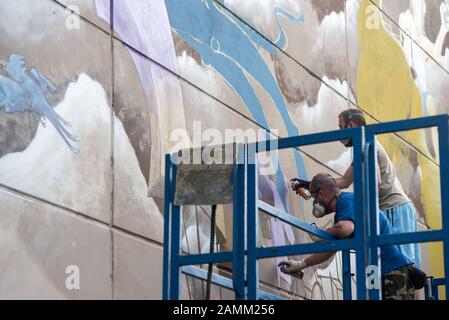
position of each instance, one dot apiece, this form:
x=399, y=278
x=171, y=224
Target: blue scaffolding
x=246, y=206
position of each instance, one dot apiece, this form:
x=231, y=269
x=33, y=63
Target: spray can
x=304, y=193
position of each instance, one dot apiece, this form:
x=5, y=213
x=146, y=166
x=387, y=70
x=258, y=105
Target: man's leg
x=397, y=285
x=403, y=219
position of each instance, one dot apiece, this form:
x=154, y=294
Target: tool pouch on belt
x=417, y=276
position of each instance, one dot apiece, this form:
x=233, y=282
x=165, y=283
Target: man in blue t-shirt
x=328, y=198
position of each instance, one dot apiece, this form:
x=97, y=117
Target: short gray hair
x=355, y=115
x=323, y=181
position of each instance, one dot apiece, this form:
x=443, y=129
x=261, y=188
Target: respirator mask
x=319, y=210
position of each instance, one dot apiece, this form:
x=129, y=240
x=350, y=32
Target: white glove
x=293, y=268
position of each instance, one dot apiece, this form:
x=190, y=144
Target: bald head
x=323, y=181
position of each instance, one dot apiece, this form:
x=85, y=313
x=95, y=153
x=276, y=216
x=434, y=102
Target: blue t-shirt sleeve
x=345, y=209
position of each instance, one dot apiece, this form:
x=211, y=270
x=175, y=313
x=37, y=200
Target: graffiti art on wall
x=284, y=64
x=25, y=90
x=215, y=35
x=141, y=24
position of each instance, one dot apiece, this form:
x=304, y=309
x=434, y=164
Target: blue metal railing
x=431, y=289
x=254, y=205
x=366, y=241
x=376, y=240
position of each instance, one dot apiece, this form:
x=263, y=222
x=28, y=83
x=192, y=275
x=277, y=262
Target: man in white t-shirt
x=393, y=201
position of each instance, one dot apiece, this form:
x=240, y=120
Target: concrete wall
x=88, y=103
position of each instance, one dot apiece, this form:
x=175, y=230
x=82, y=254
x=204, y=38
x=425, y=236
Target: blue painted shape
x=25, y=90
x=281, y=42
x=229, y=47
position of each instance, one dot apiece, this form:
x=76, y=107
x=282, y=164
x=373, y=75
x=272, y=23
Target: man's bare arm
x=318, y=258
x=340, y=230
x=347, y=179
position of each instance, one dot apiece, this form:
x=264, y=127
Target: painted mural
x=26, y=90
x=82, y=140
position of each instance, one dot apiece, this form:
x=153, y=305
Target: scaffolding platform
x=242, y=175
